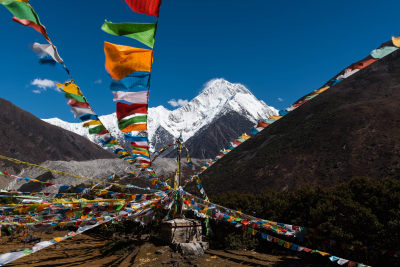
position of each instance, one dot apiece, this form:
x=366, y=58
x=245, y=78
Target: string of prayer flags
x=298, y=248
x=130, y=69
x=148, y=7
x=139, y=210
x=25, y=15
x=81, y=108
x=384, y=50
x=142, y=32
x=123, y=60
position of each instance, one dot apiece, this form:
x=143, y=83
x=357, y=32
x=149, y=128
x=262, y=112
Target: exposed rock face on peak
x=25, y=137
x=351, y=130
x=218, y=100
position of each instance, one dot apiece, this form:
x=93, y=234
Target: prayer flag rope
x=26, y=15
x=143, y=208
x=385, y=49
x=130, y=68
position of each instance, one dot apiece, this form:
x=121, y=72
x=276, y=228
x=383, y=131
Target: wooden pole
x=179, y=176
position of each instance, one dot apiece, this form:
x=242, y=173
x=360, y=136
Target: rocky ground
x=98, y=169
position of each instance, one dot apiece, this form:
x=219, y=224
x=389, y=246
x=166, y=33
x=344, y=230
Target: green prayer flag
x=139, y=149
x=78, y=98
x=21, y=10
x=27, y=251
x=1, y=173
x=119, y=207
x=133, y=120
x=142, y=32
x=78, y=213
x=97, y=129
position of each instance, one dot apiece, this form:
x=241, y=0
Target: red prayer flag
x=39, y=28
x=124, y=110
x=74, y=103
x=237, y=142
x=262, y=124
x=139, y=146
x=148, y=7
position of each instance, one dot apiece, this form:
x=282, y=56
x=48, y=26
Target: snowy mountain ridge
x=216, y=99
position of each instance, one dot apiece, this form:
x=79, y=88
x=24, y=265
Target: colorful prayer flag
x=383, y=51
x=148, y=7
x=142, y=32
x=135, y=122
x=43, y=50
x=21, y=10
x=89, y=123
x=140, y=140
x=78, y=98
x=396, y=41
x=74, y=103
x=136, y=81
x=81, y=111
x=87, y=117
x=71, y=88
x=25, y=15
x=99, y=130
x=123, y=60
x=124, y=110
x=133, y=97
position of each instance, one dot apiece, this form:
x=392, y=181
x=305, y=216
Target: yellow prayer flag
x=69, y=213
x=320, y=90
x=123, y=60
x=245, y=136
x=396, y=41
x=87, y=124
x=274, y=117
x=323, y=253
x=70, y=88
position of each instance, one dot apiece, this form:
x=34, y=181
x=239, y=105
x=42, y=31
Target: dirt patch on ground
x=86, y=250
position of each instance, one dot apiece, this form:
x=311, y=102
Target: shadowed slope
x=353, y=129
x=25, y=137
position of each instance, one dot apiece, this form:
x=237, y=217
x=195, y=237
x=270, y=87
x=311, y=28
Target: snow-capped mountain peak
x=217, y=98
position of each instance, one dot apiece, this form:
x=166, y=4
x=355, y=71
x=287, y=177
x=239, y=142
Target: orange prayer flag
x=135, y=127
x=123, y=60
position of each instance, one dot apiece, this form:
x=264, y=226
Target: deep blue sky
x=278, y=49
